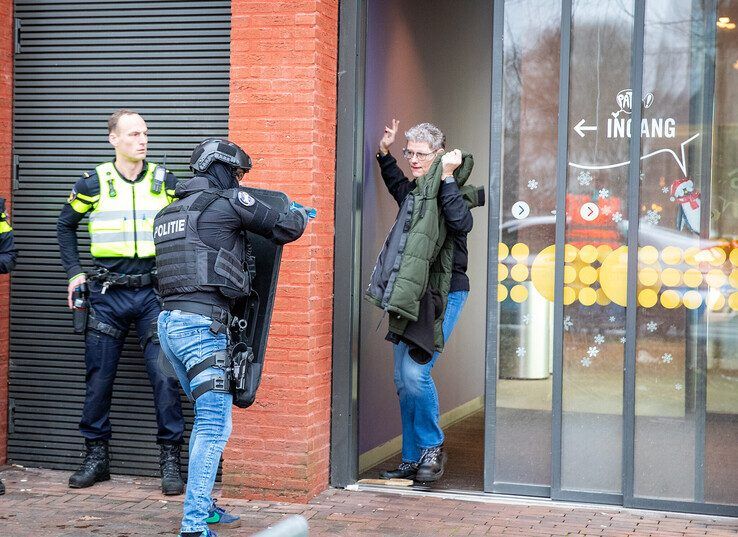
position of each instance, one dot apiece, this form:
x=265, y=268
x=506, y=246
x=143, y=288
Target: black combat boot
x=171, y=469
x=432, y=462
x=2, y=488
x=406, y=470
x=95, y=467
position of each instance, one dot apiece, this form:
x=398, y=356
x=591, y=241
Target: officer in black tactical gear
x=8, y=256
x=204, y=264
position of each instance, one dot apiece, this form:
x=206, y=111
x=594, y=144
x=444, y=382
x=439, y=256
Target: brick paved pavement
x=38, y=503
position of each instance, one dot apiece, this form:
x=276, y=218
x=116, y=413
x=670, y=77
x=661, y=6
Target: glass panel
x=687, y=363
x=721, y=463
x=530, y=100
x=594, y=287
x=671, y=278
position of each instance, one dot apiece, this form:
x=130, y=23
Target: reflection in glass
x=686, y=369
x=594, y=316
x=531, y=82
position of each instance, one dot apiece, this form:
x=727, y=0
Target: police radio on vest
x=175, y=226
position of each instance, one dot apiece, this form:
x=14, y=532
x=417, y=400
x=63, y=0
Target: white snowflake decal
x=593, y=351
x=652, y=217
x=599, y=339
x=584, y=178
x=532, y=184
x=586, y=362
x=520, y=351
x=667, y=358
x=612, y=318
x=617, y=217
x=606, y=210
x=652, y=326
x=604, y=193
x=665, y=190
x=567, y=322
x=622, y=340
x=678, y=387
x=526, y=319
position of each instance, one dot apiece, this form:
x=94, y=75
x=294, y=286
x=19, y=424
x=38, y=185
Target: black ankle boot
x=431, y=465
x=95, y=467
x=406, y=470
x=2, y=488
x=171, y=469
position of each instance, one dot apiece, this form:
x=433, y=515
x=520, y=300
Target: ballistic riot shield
x=257, y=308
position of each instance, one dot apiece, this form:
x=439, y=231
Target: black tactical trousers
x=119, y=307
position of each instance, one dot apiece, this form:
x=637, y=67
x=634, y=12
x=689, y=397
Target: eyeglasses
x=420, y=156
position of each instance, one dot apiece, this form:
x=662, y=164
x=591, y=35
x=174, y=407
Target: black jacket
x=8, y=252
x=454, y=209
x=224, y=221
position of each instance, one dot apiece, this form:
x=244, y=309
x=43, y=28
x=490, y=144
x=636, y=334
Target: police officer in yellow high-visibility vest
x=8, y=255
x=121, y=197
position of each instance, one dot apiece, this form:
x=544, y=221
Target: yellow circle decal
x=519, y=293
x=602, y=299
x=570, y=252
x=569, y=295
x=692, y=277
x=542, y=272
x=648, y=255
x=690, y=255
x=570, y=274
x=588, y=275
x=519, y=272
x=671, y=277
x=588, y=254
x=715, y=278
x=733, y=301
x=734, y=257
x=734, y=277
x=648, y=276
x=717, y=256
x=670, y=299
x=587, y=296
x=614, y=275
x=647, y=298
x=520, y=252
x=692, y=300
x=715, y=300
x=501, y=292
x=603, y=250
x=502, y=271
x=671, y=255
x=502, y=251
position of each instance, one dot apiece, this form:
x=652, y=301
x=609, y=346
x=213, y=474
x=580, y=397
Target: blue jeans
x=186, y=340
x=417, y=391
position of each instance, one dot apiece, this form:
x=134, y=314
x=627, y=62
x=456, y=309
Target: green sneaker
x=218, y=515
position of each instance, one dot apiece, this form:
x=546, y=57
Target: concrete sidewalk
x=38, y=503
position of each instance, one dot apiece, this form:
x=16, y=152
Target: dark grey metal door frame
x=344, y=454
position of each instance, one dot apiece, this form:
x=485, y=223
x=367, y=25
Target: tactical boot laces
x=95, y=466
x=432, y=463
x=171, y=469
x=406, y=470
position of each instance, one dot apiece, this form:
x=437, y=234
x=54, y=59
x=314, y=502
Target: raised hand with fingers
x=451, y=161
x=388, y=138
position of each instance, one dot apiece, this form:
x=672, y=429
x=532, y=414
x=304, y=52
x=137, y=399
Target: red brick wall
x=283, y=112
x=6, y=145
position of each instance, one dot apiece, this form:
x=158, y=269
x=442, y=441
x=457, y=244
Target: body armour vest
x=185, y=264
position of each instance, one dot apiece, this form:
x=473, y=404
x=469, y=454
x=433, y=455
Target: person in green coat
x=423, y=457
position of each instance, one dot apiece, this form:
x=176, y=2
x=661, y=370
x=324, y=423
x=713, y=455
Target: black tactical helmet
x=216, y=149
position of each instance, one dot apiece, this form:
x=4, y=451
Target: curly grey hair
x=428, y=133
